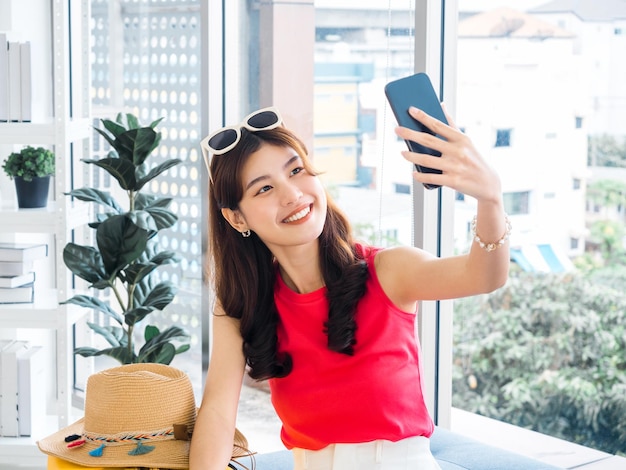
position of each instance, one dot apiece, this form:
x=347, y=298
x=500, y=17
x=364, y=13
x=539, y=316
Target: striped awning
x=540, y=258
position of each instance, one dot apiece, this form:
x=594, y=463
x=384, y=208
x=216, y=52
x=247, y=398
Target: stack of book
x=17, y=273
x=15, y=81
x=22, y=396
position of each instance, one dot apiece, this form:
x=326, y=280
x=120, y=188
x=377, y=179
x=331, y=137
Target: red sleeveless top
x=331, y=397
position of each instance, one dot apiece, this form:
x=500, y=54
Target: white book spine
x=8, y=388
x=26, y=83
x=15, y=103
x=31, y=395
x=4, y=78
x=3, y=345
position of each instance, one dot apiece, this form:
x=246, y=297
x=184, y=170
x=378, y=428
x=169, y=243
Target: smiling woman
x=292, y=283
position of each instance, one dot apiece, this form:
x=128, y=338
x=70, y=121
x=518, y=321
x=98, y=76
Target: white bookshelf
x=68, y=132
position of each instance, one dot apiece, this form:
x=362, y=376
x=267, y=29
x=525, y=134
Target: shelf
x=42, y=220
x=42, y=313
x=67, y=129
x=43, y=133
x=24, y=449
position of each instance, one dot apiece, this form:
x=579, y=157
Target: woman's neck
x=302, y=284
x=301, y=270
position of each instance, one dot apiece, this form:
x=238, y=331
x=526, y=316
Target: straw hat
x=136, y=415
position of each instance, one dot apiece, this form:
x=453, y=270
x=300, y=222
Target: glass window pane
x=547, y=351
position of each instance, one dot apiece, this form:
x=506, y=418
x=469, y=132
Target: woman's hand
x=463, y=168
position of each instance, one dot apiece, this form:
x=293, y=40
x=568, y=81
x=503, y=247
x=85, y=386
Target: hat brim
x=172, y=454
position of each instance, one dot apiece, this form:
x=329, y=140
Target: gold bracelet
x=495, y=245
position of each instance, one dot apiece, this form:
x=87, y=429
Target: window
x=403, y=188
x=327, y=79
x=503, y=138
x=578, y=122
x=509, y=361
x=517, y=203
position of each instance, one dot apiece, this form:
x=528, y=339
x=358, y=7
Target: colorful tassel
x=141, y=449
x=75, y=444
x=97, y=452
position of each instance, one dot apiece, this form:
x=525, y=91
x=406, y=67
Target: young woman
x=330, y=321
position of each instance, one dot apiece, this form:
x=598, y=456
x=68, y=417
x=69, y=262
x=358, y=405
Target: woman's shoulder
x=397, y=261
x=366, y=251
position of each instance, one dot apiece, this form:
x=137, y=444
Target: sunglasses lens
x=223, y=139
x=263, y=120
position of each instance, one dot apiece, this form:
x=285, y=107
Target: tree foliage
x=546, y=352
x=606, y=150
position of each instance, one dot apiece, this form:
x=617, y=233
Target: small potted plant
x=31, y=169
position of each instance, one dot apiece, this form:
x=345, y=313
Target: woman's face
x=282, y=203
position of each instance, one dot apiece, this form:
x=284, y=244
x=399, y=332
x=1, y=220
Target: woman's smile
x=298, y=216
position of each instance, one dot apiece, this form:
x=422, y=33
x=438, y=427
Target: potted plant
x=31, y=169
x=126, y=254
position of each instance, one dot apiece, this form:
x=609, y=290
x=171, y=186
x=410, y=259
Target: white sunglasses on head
x=227, y=138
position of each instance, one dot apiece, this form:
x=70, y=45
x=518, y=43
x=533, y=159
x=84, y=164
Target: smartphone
x=416, y=90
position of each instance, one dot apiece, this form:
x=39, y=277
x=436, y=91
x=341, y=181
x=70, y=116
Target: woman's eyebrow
x=262, y=177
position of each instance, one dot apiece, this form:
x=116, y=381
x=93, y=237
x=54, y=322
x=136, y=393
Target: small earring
x=246, y=233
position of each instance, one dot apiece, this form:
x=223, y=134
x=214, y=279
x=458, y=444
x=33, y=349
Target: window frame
x=435, y=54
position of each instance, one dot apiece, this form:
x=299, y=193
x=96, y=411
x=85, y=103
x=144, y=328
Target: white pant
x=412, y=453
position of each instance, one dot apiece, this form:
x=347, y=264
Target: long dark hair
x=243, y=269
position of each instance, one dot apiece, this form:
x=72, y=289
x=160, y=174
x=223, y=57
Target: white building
x=600, y=29
x=516, y=78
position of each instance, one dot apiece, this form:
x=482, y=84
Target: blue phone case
x=415, y=90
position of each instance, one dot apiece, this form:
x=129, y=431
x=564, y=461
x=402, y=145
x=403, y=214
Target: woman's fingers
x=449, y=118
x=433, y=124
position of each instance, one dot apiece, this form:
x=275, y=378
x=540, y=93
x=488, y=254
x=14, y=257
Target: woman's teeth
x=298, y=215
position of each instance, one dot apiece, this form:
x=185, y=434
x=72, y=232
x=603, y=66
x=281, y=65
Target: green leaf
x=132, y=121
x=156, y=171
x=143, y=219
x=137, y=271
x=165, y=354
x=150, y=332
x=165, y=257
x=163, y=218
x=146, y=201
x=105, y=333
x=120, y=242
x=122, y=170
x=183, y=348
x=106, y=136
x=153, y=124
x=154, y=345
x=97, y=196
x=136, y=145
x=84, y=261
x=136, y=315
x=161, y=296
x=95, y=304
x=113, y=127
x=120, y=333
x=121, y=354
